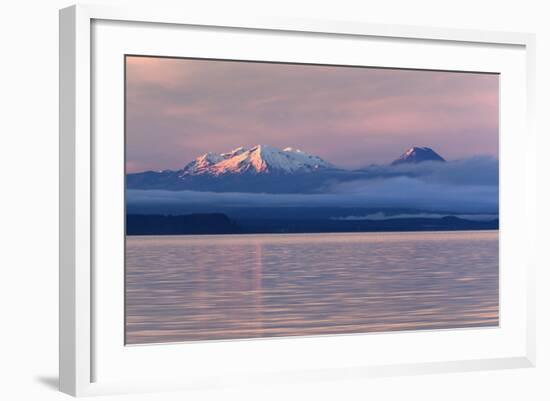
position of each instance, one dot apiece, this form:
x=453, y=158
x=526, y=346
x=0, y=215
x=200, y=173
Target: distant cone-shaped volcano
x=418, y=154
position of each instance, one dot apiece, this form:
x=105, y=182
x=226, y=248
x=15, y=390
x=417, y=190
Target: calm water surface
x=187, y=288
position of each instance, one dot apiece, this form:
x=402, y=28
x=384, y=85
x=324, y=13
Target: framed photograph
x=277, y=200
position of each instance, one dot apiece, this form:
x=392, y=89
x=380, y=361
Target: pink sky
x=178, y=109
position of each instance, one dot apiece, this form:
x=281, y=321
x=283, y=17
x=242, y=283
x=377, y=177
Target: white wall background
x=29, y=186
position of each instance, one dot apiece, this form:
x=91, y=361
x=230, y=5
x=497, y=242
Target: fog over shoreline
x=464, y=186
x=473, y=199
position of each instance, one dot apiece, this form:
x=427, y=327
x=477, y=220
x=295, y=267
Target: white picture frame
x=82, y=344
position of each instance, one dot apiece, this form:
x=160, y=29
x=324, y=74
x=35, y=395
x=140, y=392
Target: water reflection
x=183, y=288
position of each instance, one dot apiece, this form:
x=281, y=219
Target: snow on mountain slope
x=203, y=163
x=418, y=154
x=258, y=159
x=267, y=169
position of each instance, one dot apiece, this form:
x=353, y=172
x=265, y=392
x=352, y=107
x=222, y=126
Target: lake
x=189, y=288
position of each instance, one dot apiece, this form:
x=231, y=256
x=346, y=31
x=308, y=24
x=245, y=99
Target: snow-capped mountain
x=266, y=169
x=261, y=168
x=259, y=159
x=418, y=154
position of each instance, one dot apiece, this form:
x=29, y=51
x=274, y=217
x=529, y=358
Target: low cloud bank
x=478, y=170
x=393, y=193
x=463, y=187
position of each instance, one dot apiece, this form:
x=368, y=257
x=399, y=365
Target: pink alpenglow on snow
x=350, y=116
x=258, y=159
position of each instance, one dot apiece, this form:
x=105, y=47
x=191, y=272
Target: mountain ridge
x=258, y=159
x=264, y=168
